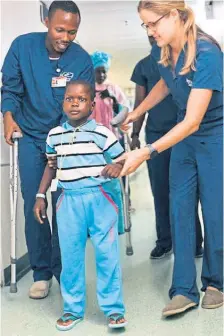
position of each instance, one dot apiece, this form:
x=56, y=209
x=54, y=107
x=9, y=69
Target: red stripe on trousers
x=60, y=201
x=109, y=199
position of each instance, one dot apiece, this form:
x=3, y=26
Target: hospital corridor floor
x=146, y=283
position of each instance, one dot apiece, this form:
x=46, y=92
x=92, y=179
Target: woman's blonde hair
x=190, y=30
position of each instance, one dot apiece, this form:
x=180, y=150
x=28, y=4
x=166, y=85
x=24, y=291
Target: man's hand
x=52, y=162
x=10, y=126
x=39, y=210
x=112, y=170
x=135, y=142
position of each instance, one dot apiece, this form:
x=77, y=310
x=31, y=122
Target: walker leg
x=13, y=207
x=127, y=220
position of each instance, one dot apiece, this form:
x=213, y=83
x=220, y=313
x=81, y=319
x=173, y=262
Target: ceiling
x=114, y=27
x=111, y=26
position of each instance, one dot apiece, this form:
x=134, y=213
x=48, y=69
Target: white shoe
x=40, y=289
x=177, y=305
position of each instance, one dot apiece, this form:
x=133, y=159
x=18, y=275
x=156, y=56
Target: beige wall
x=16, y=19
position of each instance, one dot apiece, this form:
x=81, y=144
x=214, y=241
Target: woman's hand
x=133, y=160
x=131, y=117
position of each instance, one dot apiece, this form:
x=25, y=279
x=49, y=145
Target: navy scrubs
x=160, y=120
x=197, y=166
x=36, y=106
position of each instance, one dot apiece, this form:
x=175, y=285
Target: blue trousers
x=79, y=212
x=197, y=167
x=158, y=170
x=43, y=246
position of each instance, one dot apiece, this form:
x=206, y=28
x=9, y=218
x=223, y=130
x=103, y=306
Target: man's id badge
x=54, y=184
x=58, y=81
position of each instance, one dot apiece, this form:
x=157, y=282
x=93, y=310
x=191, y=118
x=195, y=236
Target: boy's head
x=79, y=100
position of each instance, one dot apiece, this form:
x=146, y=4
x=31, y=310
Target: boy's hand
x=39, y=210
x=112, y=170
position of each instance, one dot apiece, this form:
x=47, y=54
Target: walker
x=13, y=206
x=115, y=122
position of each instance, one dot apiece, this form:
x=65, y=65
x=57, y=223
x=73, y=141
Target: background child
x=84, y=207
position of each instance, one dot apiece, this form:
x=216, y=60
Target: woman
x=190, y=65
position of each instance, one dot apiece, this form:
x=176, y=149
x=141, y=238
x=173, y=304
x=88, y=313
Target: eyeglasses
x=152, y=25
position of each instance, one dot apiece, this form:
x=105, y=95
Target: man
x=160, y=120
x=35, y=72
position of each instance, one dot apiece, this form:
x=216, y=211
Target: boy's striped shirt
x=82, y=153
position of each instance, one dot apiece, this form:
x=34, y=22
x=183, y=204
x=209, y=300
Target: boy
x=84, y=207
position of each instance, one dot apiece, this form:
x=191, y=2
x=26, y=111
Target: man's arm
x=10, y=126
x=12, y=91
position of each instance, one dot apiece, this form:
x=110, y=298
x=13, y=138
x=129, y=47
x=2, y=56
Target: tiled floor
x=146, y=285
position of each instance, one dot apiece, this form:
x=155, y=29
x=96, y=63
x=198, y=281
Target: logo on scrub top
x=68, y=76
x=189, y=82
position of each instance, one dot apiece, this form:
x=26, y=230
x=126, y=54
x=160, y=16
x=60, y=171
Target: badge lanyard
x=54, y=182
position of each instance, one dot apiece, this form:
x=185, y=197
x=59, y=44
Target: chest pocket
x=183, y=89
x=58, y=94
x=179, y=85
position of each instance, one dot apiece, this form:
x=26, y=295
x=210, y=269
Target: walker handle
x=120, y=117
x=16, y=135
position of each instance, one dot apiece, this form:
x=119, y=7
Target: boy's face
x=77, y=102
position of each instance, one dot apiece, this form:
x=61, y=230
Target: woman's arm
x=197, y=105
x=159, y=92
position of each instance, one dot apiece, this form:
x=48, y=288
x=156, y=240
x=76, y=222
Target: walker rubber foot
x=13, y=288
x=129, y=251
